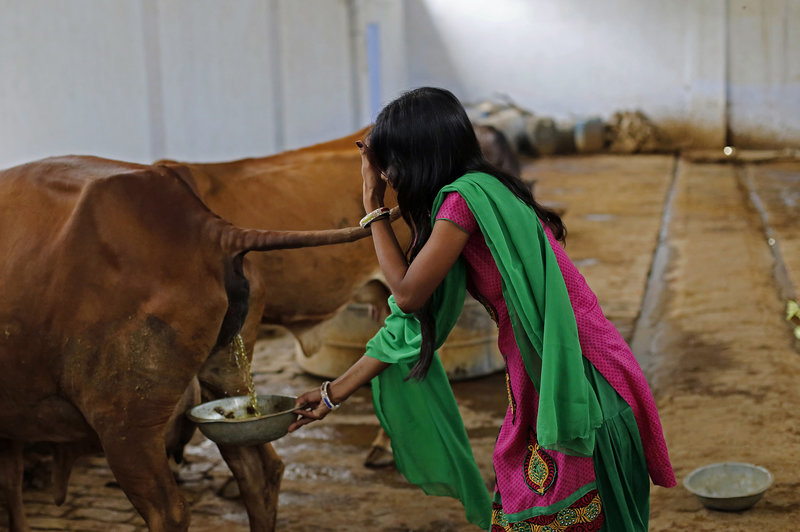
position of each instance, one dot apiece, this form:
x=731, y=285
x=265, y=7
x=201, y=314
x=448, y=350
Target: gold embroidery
x=584, y=515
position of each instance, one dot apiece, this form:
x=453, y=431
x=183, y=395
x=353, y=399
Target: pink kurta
x=601, y=344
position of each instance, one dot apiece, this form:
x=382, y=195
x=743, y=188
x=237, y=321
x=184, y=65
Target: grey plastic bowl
x=728, y=486
x=227, y=421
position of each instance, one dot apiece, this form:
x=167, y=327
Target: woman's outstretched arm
x=357, y=375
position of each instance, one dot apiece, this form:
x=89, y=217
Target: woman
x=581, y=433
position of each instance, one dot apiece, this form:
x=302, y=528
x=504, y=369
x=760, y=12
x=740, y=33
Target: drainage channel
x=783, y=282
x=644, y=332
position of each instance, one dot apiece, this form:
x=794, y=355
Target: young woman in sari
x=581, y=438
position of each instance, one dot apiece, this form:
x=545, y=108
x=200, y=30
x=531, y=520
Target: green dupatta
x=429, y=440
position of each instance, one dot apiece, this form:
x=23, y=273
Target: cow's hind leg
x=140, y=465
x=258, y=470
x=11, y=469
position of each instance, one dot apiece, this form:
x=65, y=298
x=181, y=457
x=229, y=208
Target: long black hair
x=423, y=141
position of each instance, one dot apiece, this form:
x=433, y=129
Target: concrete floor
x=692, y=260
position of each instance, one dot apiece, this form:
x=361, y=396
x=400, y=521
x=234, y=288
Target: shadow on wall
x=432, y=47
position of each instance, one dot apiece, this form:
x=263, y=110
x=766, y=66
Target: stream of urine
x=240, y=356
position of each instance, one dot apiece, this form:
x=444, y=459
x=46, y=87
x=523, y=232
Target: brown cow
x=118, y=287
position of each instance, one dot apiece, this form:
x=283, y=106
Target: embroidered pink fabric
x=601, y=343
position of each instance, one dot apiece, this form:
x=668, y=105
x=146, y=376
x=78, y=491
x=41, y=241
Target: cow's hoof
x=230, y=490
x=379, y=457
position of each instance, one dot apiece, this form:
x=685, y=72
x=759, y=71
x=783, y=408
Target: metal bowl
x=228, y=422
x=728, y=486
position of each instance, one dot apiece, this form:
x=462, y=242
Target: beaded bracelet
x=323, y=391
x=377, y=214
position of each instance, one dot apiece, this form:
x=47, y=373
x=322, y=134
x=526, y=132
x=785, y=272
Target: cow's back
x=86, y=221
x=36, y=200
x=309, y=188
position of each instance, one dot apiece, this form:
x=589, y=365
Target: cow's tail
x=236, y=240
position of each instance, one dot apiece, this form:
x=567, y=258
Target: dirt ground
x=693, y=261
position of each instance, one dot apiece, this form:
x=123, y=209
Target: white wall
x=211, y=69
x=317, y=101
x=71, y=79
x=206, y=80
x=697, y=68
x=764, y=75
x=197, y=80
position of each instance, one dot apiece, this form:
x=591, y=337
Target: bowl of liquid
x=242, y=421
